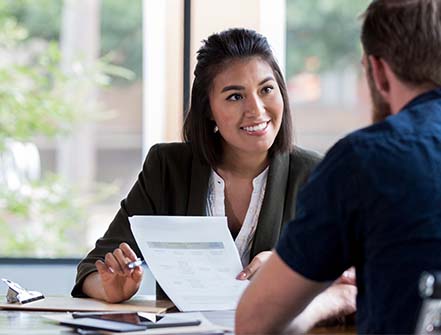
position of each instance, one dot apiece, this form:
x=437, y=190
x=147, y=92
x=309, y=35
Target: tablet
x=128, y=317
x=99, y=324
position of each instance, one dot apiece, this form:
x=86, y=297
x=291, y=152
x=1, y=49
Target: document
x=194, y=260
x=222, y=319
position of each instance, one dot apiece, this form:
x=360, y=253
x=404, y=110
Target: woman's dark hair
x=217, y=51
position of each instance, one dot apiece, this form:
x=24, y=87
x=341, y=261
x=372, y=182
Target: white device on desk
x=17, y=294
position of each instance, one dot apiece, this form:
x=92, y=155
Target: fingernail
x=241, y=275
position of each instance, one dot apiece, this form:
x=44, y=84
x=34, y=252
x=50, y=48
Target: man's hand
x=274, y=297
x=118, y=281
x=337, y=301
x=254, y=265
x=348, y=277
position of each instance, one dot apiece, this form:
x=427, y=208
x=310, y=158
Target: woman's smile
x=257, y=129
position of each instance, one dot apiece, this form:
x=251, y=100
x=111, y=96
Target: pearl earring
x=216, y=129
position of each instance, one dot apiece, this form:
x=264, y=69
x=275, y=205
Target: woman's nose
x=254, y=106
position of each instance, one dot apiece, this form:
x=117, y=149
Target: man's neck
x=405, y=93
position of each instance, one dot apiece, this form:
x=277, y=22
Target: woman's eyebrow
x=266, y=79
x=232, y=88
x=240, y=88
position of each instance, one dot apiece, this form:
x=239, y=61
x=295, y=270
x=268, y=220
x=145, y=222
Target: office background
x=87, y=86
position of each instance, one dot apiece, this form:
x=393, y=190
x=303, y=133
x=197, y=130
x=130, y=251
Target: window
x=327, y=90
x=72, y=87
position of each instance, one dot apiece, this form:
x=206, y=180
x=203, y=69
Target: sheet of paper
x=194, y=259
x=222, y=319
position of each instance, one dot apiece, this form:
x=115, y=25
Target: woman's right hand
x=118, y=281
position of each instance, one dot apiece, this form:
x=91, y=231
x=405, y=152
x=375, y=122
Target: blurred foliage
x=30, y=99
x=121, y=33
x=46, y=218
x=35, y=94
x=121, y=27
x=41, y=18
x=322, y=34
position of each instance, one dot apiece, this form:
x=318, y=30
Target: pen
x=173, y=324
x=135, y=263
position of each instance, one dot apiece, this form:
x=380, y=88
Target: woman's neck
x=243, y=165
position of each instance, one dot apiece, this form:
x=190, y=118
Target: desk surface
x=26, y=322
x=32, y=323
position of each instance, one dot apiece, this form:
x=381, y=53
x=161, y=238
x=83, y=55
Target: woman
x=237, y=161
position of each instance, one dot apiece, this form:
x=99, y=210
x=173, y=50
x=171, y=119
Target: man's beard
x=380, y=107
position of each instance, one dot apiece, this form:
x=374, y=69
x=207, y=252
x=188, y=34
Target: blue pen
x=134, y=264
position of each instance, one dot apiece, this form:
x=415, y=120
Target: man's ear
x=380, y=74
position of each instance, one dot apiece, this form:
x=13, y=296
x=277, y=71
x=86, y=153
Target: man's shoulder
x=374, y=132
x=374, y=139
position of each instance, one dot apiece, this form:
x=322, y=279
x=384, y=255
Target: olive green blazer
x=174, y=181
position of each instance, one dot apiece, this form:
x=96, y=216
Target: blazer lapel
x=273, y=205
x=197, y=200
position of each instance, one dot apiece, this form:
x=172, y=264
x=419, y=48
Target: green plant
x=30, y=102
x=121, y=40
x=322, y=34
x=45, y=217
x=35, y=97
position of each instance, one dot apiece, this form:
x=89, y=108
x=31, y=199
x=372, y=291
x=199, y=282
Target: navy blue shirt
x=375, y=202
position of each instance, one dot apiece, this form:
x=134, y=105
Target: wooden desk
x=27, y=318
x=32, y=323
x=342, y=330
x=27, y=322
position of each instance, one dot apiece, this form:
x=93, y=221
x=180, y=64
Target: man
x=375, y=200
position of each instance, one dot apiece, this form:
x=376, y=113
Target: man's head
x=405, y=36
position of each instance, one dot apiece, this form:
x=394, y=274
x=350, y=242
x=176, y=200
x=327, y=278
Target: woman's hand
x=118, y=281
x=254, y=265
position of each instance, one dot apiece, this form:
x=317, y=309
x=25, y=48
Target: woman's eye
x=234, y=97
x=267, y=89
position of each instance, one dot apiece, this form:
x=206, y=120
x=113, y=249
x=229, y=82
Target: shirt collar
x=258, y=181
x=427, y=96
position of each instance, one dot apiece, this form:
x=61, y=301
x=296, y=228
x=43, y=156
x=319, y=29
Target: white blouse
x=216, y=207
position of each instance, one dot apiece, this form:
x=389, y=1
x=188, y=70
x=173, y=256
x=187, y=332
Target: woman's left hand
x=254, y=265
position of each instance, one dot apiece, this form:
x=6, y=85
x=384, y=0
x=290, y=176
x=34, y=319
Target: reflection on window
x=327, y=90
x=70, y=121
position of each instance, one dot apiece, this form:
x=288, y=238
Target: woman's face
x=247, y=106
